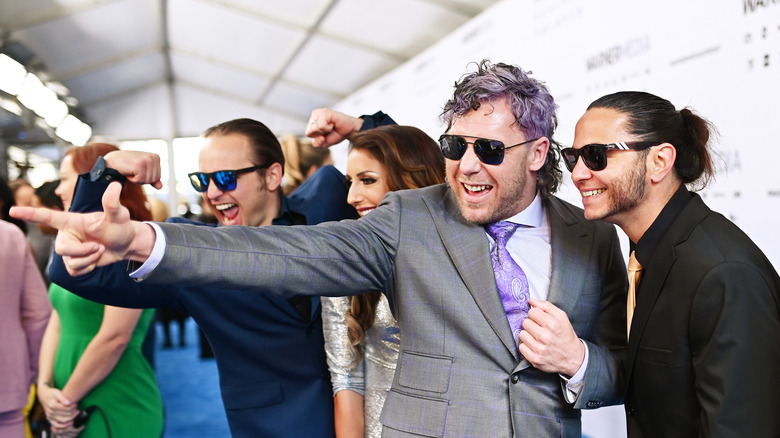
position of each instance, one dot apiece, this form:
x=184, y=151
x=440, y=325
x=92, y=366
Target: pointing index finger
x=45, y=216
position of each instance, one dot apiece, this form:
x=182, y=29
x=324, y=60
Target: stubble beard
x=626, y=192
x=502, y=206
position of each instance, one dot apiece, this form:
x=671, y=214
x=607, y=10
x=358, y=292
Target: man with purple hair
x=509, y=301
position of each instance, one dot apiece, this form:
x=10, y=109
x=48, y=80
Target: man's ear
x=537, y=154
x=661, y=161
x=273, y=176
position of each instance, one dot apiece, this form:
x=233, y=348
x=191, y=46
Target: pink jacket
x=24, y=313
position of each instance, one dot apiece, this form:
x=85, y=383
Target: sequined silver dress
x=373, y=375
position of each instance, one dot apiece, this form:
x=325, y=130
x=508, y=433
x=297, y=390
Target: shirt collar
x=285, y=216
x=532, y=216
x=650, y=239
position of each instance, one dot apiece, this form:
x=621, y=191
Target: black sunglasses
x=595, y=155
x=225, y=180
x=489, y=151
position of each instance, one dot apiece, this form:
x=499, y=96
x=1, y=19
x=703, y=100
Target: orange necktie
x=634, y=274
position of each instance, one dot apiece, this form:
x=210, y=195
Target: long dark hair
x=6, y=202
x=411, y=160
x=652, y=118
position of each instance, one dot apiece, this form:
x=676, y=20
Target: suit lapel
x=468, y=248
x=656, y=272
x=571, y=242
x=650, y=287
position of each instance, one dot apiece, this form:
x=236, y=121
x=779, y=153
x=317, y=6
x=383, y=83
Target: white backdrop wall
x=719, y=57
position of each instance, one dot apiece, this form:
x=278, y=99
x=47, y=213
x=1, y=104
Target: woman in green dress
x=91, y=353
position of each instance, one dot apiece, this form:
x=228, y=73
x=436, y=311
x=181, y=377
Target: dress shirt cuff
x=573, y=385
x=158, y=251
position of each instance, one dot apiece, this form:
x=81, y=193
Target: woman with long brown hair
x=361, y=335
x=91, y=357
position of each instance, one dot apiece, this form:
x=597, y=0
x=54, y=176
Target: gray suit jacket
x=459, y=372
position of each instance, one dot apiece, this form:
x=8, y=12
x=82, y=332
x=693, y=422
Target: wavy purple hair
x=530, y=100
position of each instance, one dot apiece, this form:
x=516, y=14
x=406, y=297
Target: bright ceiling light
x=12, y=75
x=54, y=113
x=11, y=106
x=74, y=131
x=39, y=98
x=33, y=93
x=42, y=100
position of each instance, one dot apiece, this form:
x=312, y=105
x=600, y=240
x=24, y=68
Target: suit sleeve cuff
x=101, y=173
x=572, y=386
x=158, y=251
x=377, y=119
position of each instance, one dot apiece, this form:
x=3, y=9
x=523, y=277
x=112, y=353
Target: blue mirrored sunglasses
x=225, y=180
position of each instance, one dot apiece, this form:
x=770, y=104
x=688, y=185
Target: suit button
x=515, y=379
x=630, y=411
x=592, y=404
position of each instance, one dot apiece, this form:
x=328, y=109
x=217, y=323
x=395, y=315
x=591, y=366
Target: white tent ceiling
x=166, y=68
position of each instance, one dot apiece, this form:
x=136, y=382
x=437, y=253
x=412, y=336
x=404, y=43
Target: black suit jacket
x=272, y=370
x=704, y=349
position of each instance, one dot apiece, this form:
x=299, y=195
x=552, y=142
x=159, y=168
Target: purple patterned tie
x=510, y=278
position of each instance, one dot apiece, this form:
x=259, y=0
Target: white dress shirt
x=530, y=248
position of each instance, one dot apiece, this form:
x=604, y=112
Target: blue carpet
x=189, y=387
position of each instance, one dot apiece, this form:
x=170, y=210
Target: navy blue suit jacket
x=273, y=374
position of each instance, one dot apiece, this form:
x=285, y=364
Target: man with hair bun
x=704, y=331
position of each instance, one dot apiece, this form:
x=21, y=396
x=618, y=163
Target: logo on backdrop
x=617, y=53
x=760, y=41
x=752, y=6
x=731, y=161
